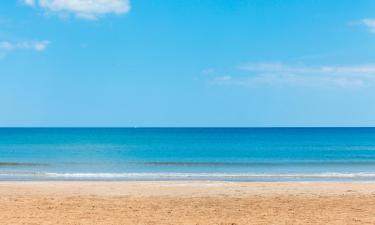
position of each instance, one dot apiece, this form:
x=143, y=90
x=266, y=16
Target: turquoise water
x=244, y=154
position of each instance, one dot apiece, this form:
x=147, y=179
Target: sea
x=227, y=154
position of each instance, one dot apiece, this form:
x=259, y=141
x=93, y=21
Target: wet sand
x=186, y=202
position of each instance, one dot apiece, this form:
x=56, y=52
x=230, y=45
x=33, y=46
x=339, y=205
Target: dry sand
x=186, y=202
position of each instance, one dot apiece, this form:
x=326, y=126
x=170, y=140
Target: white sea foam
x=208, y=175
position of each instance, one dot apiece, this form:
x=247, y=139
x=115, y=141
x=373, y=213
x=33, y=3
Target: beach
x=186, y=202
x=187, y=176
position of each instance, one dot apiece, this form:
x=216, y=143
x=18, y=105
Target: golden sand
x=186, y=202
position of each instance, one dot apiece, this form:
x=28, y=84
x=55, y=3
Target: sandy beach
x=186, y=202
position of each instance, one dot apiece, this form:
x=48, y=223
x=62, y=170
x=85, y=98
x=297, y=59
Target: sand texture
x=186, y=202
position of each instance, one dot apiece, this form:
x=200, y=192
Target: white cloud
x=302, y=69
x=30, y=45
x=280, y=74
x=87, y=9
x=29, y=2
x=274, y=67
x=369, y=23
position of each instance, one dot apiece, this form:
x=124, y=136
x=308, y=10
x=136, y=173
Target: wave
x=210, y=175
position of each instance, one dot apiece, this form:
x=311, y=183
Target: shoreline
x=176, y=176
x=186, y=202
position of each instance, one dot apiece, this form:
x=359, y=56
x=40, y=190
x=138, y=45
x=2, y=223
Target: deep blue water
x=251, y=154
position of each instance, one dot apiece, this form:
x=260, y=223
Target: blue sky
x=187, y=63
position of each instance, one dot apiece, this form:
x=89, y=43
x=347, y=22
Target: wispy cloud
x=208, y=71
x=29, y=2
x=26, y=45
x=281, y=74
x=86, y=9
x=369, y=23
x=303, y=69
x=223, y=78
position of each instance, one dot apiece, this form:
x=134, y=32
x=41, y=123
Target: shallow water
x=245, y=154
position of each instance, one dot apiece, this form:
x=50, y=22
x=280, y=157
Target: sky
x=203, y=63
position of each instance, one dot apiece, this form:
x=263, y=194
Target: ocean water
x=240, y=154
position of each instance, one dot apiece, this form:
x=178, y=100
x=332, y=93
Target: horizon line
x=176, y=127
